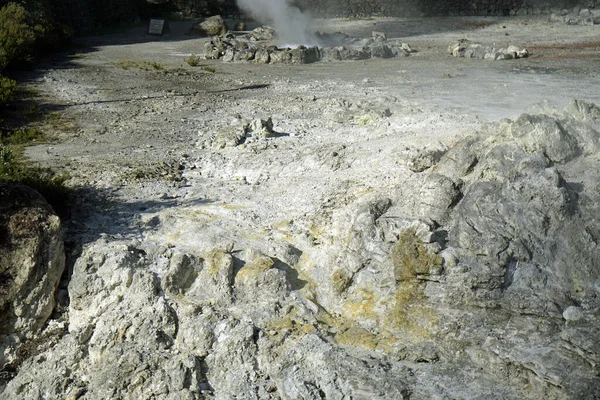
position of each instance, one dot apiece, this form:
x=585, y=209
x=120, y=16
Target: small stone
x=381, y=36
x=573, y=314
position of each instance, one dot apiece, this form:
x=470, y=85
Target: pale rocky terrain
x=420, y=227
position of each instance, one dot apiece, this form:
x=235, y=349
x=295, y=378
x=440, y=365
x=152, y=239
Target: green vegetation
x=17, y=35
x=14, y=168
x=58, y=122
x=8, y=89
x=27, y=29
x=48, y=183
x=209, y=69
x=193, y=60
x=143, y=65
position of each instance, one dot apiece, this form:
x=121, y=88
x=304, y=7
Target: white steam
x=291, y=25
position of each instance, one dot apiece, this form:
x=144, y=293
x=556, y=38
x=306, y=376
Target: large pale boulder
x=32, y=261
x=212, y=26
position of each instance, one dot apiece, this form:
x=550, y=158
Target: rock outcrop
x=211, y=26
x=465, y=49
x=32, y=260
x=337, y=47
x=477, y=277
x=577, y=16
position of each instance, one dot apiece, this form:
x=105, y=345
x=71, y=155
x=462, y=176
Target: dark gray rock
x=303, y=55
x=354, y=54
x=281, y=56
x=330, y=54
x=381, y=51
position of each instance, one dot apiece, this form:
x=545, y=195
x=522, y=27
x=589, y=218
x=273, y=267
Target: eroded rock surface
x=465, y=49
x=336, y=47
x=336, y=230
x=32, y=260
x=481, y=265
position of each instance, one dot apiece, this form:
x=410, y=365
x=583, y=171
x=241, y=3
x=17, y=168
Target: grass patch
x=209, y=69
x=155, y=65
x=126, y=64
x=142, y=65
x=22, y=136
x=58, y=122
x=13, y=168
x=8, y=90
x=193, y=60
x=14, y=137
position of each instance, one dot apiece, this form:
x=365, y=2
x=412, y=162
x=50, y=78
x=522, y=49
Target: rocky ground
x=392, y=236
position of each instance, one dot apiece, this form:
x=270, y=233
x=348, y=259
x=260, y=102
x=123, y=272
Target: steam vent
x=300, y=200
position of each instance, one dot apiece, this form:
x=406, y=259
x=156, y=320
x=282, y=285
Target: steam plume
x=290, y=23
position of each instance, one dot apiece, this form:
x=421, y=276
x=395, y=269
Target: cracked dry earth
x=390, y=238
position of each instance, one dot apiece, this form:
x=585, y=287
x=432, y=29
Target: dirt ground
x=140, y=125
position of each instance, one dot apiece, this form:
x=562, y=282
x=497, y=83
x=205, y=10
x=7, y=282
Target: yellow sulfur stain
x=357, y=336
x=217, y=260
x=252, y=270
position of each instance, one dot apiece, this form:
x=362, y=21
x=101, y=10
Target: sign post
x=158, y=27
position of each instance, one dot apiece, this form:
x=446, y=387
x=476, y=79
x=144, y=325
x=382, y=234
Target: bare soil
x=146, y=122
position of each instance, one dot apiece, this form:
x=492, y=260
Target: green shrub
x=193, y=60
x=8, y=90
x=7, y=162
x=156, y=65
x=22, y=136
x=28, y=30
x=45, y=181
x=17, y=36
x=143, y=65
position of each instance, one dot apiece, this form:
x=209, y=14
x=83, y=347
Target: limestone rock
x=262, y=56
x=230, y=137
x=262, y=33
x=330, y=54
x=281, y=57
x=244, y=49
x=212, y=26
x=419, y=159
x=436, y=285
x=32, y=261
x=303, y=55
x=465, y=48
x=354, y=54
x=261, y=128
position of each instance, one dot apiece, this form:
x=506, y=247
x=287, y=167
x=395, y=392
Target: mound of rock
x=466, y=49
x=260, y=34
x=256, y=47
x=502, y=232
x=482, y=264
x=577, y=16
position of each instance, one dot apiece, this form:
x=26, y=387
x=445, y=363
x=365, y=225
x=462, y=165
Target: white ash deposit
x=383, y=229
